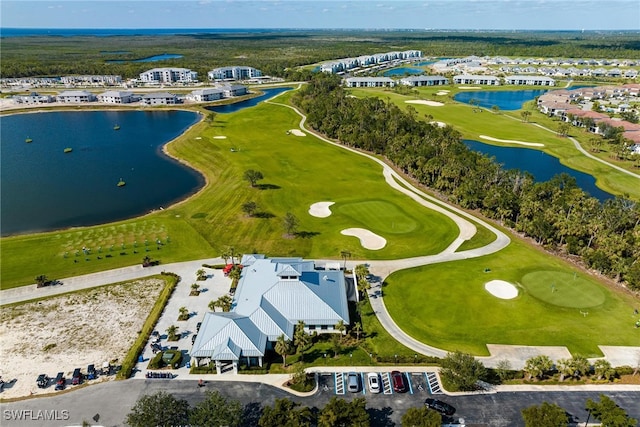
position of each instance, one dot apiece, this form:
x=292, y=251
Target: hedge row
x=131, y=358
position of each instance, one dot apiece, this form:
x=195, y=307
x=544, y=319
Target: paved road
x=110, y=402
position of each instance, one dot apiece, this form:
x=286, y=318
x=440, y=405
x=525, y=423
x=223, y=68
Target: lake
x=43, y=188
x=154, y=58
x=506, y=100
x=538, y=163
x=402, y=71
x=232, y=108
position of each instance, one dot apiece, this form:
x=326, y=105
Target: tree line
x=557, y=214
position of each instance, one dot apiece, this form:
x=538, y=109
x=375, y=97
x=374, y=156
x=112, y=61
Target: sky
x=364, y=14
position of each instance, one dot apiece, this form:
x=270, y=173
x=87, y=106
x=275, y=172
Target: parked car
x=440, y=406
x=353, y=382
x=374, y=382
x=193, y=338
x=43, y=381
x=91, y=372
x=398, y=382
x=77, y=377
x=61, y=381
x=198, y=326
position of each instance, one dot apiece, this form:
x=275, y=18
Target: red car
x=398, y=382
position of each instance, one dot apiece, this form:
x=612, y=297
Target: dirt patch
x=71, y=331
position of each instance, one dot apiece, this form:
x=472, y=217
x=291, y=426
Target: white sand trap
x=297, y=132
x=220, y=137
x=501, y=289
x=198, y=137
x=423, y=102
x=439, y=124
x=320, y=209
x=368, y=240
x=442, y=92
x=512, y=141
x=469, y=87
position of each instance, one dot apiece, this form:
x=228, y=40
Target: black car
x=61, y=381
x=193, y=338
x=77, y=377
x=43, y=381
x=198, y=326
x=440, y=406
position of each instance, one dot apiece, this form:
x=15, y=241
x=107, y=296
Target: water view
x=68, y=174
x=154, y=58
x=538, y=163
x=506, y=100
x=232, y=108
x=402, y=71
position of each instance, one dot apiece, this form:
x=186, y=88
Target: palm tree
x=225, y=256
x=357, y=327
x=212, y=305
x=340, y=327
x=172, y=333
x=194, y=289
x=565, y=368
x=202, y=275
x=300, y=337
x=525, y=115
x=283, y=347
x=224, y=302
x=345, y=254
x=290, y=223
x=184, y=313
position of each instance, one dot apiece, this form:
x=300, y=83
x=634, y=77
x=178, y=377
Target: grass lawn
x=508, y=125
x=298, y=171
x=446, y=305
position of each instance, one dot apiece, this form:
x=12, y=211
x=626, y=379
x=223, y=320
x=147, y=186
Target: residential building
x=205, y=95
x=92, y=80
x=229, y=90
x=75, y=96
x=424, y=81
x=272, y=296
x=234, y=73
x=33, y=98
x=369, y=82
x=118, y=97
x=530, y=80
x=467, y=79
x=159, y=98
x=169, y=75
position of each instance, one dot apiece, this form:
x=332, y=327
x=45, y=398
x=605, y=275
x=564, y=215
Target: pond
x=232, y=108
x=402, y=71
x=154, y=58
x=45, y=186
x=506, y=100
x=538, y=163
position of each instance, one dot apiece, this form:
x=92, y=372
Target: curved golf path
x=516, y=355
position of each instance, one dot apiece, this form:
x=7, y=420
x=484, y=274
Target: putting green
x=562, y=289
x=379, y=216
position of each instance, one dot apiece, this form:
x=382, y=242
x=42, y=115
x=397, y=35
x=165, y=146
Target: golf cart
x=43, y=381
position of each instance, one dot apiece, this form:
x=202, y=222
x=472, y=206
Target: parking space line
x=339, y=380
x=409, y=383
x=386, y=383
x=364, y=385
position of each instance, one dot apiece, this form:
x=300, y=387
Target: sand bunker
x=442, y=92
x=501, y=289
x=439, y=124
x=297, y=132
x=423, y=102
x=320, y=209
x=469, y=87
x=220, y=137
x=368, y=240
x=511, y=141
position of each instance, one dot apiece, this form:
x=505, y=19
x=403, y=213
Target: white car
x=374, y=382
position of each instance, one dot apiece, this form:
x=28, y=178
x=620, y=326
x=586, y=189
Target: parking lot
x=416, y=383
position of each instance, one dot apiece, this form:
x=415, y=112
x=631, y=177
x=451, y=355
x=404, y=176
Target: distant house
x=369, y=82
x=33, y=98
x=204, y=95
x=76, y=96
x=229, y=90
x=169, y=75
x=272, y=296
x=159, y=98
x=467, y=79
x=233, y=73
x=117, y=97
x=424, y=81
x=530, y=80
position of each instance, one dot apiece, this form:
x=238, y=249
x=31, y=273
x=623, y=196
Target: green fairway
x=563, y=289
x=298, y=171
x=446, y=305
x=379, y=216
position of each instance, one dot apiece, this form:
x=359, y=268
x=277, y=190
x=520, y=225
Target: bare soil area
x=71, y=331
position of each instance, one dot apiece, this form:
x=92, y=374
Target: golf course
x=442, y=304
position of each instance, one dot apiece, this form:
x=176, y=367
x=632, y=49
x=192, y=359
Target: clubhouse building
x=272, y=296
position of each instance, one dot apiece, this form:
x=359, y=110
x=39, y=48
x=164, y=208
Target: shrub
x=174, y=360
x=156, y=362
x=131, y=358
